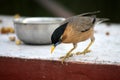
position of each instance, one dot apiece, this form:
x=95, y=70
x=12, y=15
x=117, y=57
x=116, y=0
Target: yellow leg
x=86, y=50
x=69, y=53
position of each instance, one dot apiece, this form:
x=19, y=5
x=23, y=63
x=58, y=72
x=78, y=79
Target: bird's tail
x=89, y=13
x=100, y=20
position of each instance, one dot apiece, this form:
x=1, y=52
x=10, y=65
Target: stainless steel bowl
x=36, y=30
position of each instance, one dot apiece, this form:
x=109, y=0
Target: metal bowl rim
x=20, y=20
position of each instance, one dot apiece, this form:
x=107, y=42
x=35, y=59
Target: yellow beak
x=52, y=48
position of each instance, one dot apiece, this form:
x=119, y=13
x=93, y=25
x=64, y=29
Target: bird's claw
x=64, y=57
x=84, y=52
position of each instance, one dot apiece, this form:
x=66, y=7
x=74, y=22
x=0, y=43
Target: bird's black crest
x=57, y=33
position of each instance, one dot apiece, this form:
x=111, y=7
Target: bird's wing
x=88, y=14
x=81, y=23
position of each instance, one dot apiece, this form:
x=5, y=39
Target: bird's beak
x=52, y=48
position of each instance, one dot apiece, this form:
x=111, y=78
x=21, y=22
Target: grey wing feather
x=81, y=23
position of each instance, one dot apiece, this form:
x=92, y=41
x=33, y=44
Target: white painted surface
x=105, y=50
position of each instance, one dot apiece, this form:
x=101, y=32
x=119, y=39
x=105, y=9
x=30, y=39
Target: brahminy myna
x=76, y=29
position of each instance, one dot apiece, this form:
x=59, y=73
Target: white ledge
x=105, y=49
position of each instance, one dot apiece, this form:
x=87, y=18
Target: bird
x=76, y=29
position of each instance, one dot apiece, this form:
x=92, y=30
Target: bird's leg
x=69, y=53
x=86, y=50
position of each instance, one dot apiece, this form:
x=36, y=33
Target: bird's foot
x=83, y=52
x=65, y=57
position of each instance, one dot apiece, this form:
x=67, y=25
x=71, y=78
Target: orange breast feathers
x=71, y=35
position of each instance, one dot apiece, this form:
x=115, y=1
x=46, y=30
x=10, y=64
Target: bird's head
x=56, y=36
